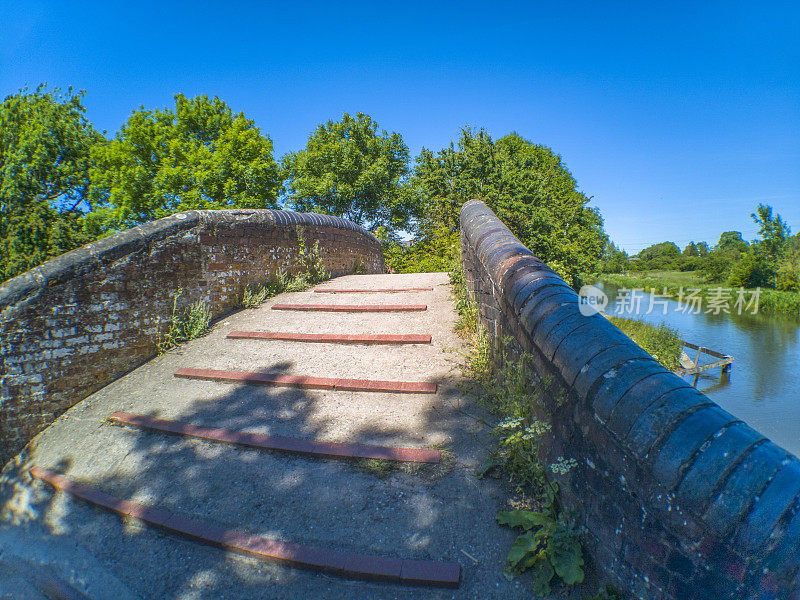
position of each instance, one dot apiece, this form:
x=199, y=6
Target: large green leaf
x=542, y=574
x=524, y=544
x=526, y=519
x=567, y=560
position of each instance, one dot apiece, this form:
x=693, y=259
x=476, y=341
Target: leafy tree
x=774, y=232
x=199, y=156
x=749, y=271
x=665, y=255
x=349, y=169
x=702, y=248
x=732, y=240
x=691, y=250
x=614, y=260
x=526, y=185
x=45, y=144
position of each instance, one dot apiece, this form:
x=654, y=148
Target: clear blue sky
x=677, y=118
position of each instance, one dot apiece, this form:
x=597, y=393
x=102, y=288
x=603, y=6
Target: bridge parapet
x=83, y=319
x=680, y=499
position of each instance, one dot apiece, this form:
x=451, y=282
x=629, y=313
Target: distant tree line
x=64, y=184
x=772, y=260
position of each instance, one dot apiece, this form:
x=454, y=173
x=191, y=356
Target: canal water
x=764, y=385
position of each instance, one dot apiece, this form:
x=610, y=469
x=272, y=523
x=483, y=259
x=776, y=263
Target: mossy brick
x=557, y=313
x=777, y=497
x=591, y=373
x=538, y=306
x=742, y=486
x=783, y=552
x=617, y=382
x=528, y=284
x=713, y=465
x=580, y=347
x=639, y=397
x=658, y=419
x=682, y=445
x=519, y=266
x=564, y=329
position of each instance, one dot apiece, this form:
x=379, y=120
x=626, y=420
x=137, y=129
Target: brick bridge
x=322, y=442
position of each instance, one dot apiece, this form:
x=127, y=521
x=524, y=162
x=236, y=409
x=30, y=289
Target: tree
x=774, y=232
x=732, y=240
x=525, y=184
x=45, y=144
x=199, y=156
x=350, y=170
x=614, y=260
x=665, y=255
x=691, y=250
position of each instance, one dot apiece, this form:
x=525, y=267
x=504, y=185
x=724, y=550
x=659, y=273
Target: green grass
x=661, y=342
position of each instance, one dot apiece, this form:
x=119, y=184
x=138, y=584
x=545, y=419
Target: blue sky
x=676, y=118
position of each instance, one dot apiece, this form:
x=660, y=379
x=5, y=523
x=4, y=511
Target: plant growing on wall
x=184, y=325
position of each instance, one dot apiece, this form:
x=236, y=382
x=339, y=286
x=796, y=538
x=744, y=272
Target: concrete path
x=419, y=512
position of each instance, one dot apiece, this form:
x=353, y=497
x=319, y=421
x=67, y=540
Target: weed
x=184, y=325
x=548, y=548
x=509, y=387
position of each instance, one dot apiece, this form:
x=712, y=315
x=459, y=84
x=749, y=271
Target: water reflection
x=764, y=383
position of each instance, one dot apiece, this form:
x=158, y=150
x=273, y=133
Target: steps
x=240, y=346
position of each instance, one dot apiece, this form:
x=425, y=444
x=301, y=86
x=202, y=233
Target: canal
x=764, y=386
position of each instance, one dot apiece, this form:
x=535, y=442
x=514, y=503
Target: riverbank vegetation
x=661, y=341
x=771, y=263
x=64, y=184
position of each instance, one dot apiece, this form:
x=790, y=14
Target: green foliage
x=614, y=260
x=662, y=342
x=526, y=185
x=732, y=240
x=749, y=271
x=548, y=548
x=199, y=156
x=185, y=325
x=432, y=254
x=350, y=170
x=788, y=272
x=665, y=255
x=45, y=143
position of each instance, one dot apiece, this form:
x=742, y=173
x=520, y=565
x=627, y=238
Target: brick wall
x=79, y=321
x=680, y=499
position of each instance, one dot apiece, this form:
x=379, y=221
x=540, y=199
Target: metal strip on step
x=352, y=307
x=306, y=382
x=333, y=338
x=344, y=564
x=275, y=442
x=364, y=291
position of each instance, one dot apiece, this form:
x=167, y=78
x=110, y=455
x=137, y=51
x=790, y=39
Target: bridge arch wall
x=680, y=499
x=83, y=319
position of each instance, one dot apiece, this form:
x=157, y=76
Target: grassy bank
x=661, y=342
x=771, y=302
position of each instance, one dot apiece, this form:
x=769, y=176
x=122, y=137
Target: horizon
x=676, y=122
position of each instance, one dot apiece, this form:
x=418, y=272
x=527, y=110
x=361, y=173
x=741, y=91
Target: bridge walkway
x=423, y=515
